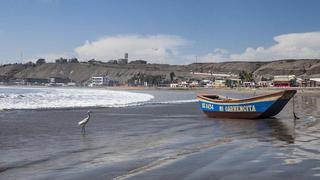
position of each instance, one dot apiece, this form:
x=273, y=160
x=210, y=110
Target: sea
x=151, y=134
x=46, y=98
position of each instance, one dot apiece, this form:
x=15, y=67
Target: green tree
x=172, y=75
x=245, y=76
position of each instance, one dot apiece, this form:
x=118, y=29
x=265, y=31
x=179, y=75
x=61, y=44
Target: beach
x=167, y=137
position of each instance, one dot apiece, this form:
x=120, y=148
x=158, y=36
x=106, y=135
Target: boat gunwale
x=202, y=96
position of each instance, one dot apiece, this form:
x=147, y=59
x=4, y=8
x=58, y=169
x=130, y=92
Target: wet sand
x=160, y=141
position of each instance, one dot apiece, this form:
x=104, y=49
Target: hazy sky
x=161, y=31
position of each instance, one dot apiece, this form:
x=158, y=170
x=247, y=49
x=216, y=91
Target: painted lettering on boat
x=245, y=108
x=207, y=106
x=229, y=108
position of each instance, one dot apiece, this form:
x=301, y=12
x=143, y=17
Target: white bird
x=83, y=122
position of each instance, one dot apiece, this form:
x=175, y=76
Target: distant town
x=138, y=73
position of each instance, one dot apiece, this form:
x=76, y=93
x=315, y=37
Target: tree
x=40, y=61
x=172, y=75
x=244, y=76
x=140, y=78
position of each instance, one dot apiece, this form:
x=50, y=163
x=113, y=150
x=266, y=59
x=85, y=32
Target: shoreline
x=132, y=143
x=236, y=89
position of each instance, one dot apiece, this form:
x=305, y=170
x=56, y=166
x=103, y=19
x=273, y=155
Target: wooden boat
x=250, y=108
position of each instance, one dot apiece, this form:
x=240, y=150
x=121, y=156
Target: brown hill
x=226, y=67
x=81, y=72
x=286, y=67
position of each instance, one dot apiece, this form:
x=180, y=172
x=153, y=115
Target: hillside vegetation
x=81, y=72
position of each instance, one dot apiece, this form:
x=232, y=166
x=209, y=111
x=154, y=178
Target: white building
x=219, y=83
x=100, y=80
x=174, y=85
x=194, y=84
x=284, y=81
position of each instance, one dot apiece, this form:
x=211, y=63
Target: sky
x=166, y=31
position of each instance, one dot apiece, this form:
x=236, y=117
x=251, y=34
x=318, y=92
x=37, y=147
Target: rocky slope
x=283, y=67
x=81, y=72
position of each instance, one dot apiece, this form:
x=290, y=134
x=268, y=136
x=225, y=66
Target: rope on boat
x=293, y=109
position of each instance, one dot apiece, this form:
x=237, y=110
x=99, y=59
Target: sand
x=160, y=141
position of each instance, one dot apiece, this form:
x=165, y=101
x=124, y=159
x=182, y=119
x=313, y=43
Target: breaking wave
x=46, y=98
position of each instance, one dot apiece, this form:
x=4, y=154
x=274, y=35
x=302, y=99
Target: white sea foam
x=40, y=98
x=178, y=101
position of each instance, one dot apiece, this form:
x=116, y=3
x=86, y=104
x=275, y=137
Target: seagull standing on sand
x=83, y=122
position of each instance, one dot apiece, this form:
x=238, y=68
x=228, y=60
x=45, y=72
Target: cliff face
x=283, y=67
x=81, y=72
x=227, y=67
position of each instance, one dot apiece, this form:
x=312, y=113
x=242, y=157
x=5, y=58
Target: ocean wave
x=174, y=101
x=47, y=98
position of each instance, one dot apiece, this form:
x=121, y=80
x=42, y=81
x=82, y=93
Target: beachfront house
x=284, y=81
x=56, y=80
x=249, y=84
x=265, y=84
x=36, y=81
x=101, y=80
x=206, y=83
x=19, y=81
x=194, y=84
x=174, y=85
x=312, y=82
x=183, y=84
x=219, y=83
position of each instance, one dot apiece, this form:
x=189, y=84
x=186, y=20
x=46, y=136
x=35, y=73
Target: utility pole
x=196, y=63
x=21, y=57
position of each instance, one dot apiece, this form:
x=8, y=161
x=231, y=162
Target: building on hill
x=284, y=81
x=138, y=62
x=122, y=61
x=112, y=62
x=93, y=61
x=61, y=61
x=40, y=61
x=73, y=60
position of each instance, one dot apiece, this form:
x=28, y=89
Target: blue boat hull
x=252, y=108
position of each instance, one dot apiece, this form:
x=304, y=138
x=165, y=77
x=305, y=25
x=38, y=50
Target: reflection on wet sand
x=281, y=130
x=264, y=130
